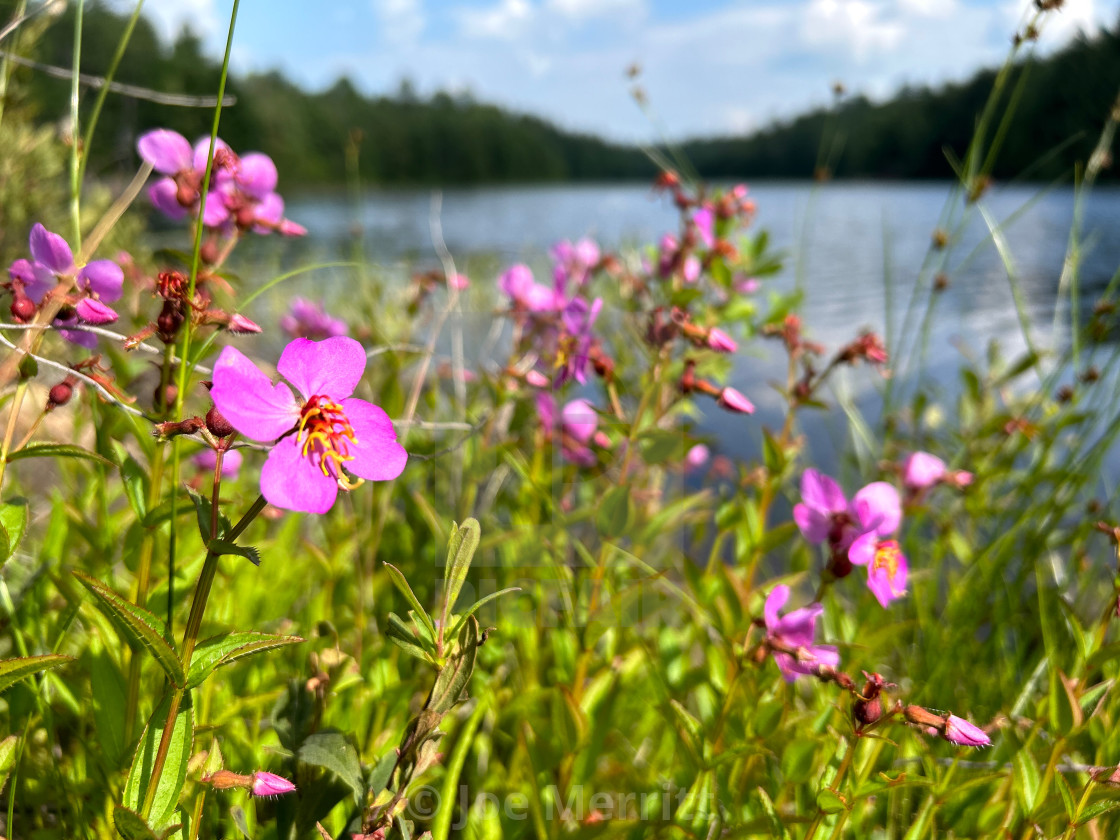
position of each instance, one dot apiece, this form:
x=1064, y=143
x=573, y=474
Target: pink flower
x=524, y=292
x=822, y=514
x=745, y=285
x=960, y=731
x=207, y=459
x=921, y=470
x=697, y=456
x=269, y=784
x=796, y=630
x=691, y=269
x=576, y=423
x=316, y=436
x=306, y=319
x=732, y=400
x=459, y=282
x=704, y=219
x=878, y=513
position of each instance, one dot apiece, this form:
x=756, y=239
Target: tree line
x=1062, y=104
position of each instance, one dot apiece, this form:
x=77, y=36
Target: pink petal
x=887, y=588
x=51, y=250
x=960, y=731
x=377, y=455
x=167, y=151
x=257, y=174
x=862, y=550
x=248, y=399
x=774, y=603
x=202, y=152
x=164, y=195
x=332, y=367
x=822, y=493
x=293, y=482
x=102, y=277
x=579, y=420
x=922, y=470
x=93, y=311
x=799, y=626
x=877, y=507
x=813, y=524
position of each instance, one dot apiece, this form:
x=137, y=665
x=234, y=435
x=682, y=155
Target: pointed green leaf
x=224, y=648
x=107, y=688
x=56, y=450
x=135, y=481
x=460, y=551
x=226, y=547
x=238, y=814
x=333, y=751
x=451, y=682
x=473, y=608
x=7, y=757
x=175, y=765
x=400, y=634
x=138, y=625
x=13, y=525
x=14, y=670
x=131, y=826
x=401, y=583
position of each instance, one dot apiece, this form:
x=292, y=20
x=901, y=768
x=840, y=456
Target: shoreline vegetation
x=404, y=139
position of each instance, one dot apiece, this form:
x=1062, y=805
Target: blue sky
x=708, y=66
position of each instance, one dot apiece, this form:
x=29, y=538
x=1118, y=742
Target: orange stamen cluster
x=325, y=434
x=887, y=553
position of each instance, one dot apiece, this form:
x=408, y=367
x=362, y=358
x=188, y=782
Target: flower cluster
x=85, y=292
x=857, y=533
x=242, y=191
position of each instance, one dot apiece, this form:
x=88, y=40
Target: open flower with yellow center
x=323, y=439
x=879, y=513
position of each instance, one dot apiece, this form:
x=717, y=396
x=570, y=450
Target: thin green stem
x=5, y=64
x=75, y=144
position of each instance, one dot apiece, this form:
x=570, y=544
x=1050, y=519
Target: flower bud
x=23, y=308
x=217, y=424
x=269, y=784
x=960, y=731
x=720, y=341
x=174, y=428
x=227, y=780
x=732, y=400
x=60, y=394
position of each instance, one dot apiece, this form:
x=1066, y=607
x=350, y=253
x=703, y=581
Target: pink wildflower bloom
x=796, y=630
x=822, y=514
x=307, y=319
x=524, y=292
x=207, y=459
x=878, y=513
x=458, y=282
x=579, y=419
x=690, y=271
x=574, y=262
x=745, y=285
x=269, y=784
x=921, y=470
x=732, y=400
x=704, y=219
x=960, y=731
x=316, y=436
x=697, y=456
x=576, y=424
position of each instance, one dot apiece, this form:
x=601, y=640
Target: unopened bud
x=60, y=394
x=217, y=424
x=23, y=308
x=174, y=428
x=227, y=780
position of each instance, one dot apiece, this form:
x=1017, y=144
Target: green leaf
x=473, y=608
x=136, y=482
x=451, y=682
x=238, y=814
x=460, y=551
x=13, y=525
x=1027, y=778
x=131, y=826
x=830, y=802
x=777, y=826
x=381, y=772
x=175, y=765
x=1096, y=809
x=56, y=450
x=226, y=547
x=224, y=648
x=614, y=512
x=693, y=730
x=138, y=625
x=7, y=757
x=204, y=511
x=108, y=699
x=401, y=583
x=1067, y=796
x=334, y=752
x=401, y=635
x=798, y=761
x=14, y=670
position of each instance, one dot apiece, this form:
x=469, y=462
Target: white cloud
x=509, y=20
x=402, y=21
x=854, y=25
x=581, y=10
x=929, y=8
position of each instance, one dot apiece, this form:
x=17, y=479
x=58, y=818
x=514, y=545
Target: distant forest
x=407, y=139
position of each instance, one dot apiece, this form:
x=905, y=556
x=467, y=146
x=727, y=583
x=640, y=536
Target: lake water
x=847, y=243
